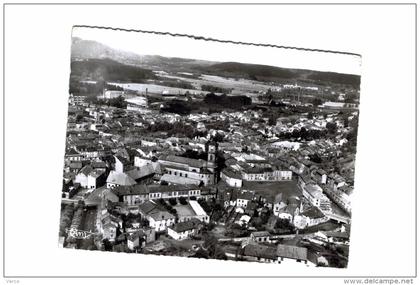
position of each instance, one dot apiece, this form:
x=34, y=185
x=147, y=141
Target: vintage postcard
x=184, y=146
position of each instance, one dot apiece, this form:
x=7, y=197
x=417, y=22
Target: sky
x=169, y=46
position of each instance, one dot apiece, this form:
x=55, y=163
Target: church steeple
x=211, y=153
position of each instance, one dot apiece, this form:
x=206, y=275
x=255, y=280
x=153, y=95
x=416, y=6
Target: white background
x=37, y=72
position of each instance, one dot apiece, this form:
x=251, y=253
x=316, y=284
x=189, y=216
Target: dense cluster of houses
x=129, y=171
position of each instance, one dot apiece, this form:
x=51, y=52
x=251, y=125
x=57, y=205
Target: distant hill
x=108, y=70
x=85, y=49
x=272, y=73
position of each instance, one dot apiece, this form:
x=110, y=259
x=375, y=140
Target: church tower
x=211, y=148
x=211, y=155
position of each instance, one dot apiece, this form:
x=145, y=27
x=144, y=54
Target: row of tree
x=232, y=102
x=179, y=129
x=216, y=89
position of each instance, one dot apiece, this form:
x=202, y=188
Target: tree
x=354, y=123
x=201, y=253
x=210, y=242
x=295, y=133
x=182, y=200
x=315, y=158
x=218, y=137
x=331, y=127
x=303, y=133
x=92, y=99
x=316, y=101
x=67, y=217
x=172, y=201
x=310, y=116
x=346, y=121
x=272, y=120
x=283, y=224
x=118, y=102
x=219, y=253
x=349, y=100
x=79, y=118
x=107, y=245
x=236, y=230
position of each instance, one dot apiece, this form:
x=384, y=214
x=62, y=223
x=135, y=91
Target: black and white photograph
x=199, y=158
x=194, y=143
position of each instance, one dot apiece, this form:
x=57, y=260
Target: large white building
x=314, y=194
x=139, y=193
x=90, y=178
x=111, y=94
x=231, y=178
x=183, y=230
x=266, y=174
x=138, y=104
x=158, y=218
x=183, y=170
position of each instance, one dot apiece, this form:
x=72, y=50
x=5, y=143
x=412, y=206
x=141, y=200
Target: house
x=159, y=219
x=291, y=252
x=141, y=237
x=278, y=204
x=133, y=241
x=232, y=251
x=122, y=164
x=148, y=233
x=243, y=198
x=312, y=217
x=251, y=208
x=336, y=181
x=132, y=194
x=287, y=209
x=340, y=198
x=231, y=178
x=191, y=211
x=319, y=176
x=184, y=230
x=314, y=194
x=73, y=155
x=229, y=196
x=144, y=173
x=338, y=237
x=75, y=166
x=304, y=179
x=139, y=193
x=90, y=152
x=242, y=220
x=333, y=105
x=119, y=179
x=260, y=253
x=90, y=178
x=208, y=192
x=137, y=104
x=262, y=236
x=77, y=100
x=99, y=165
x=171, y=179
x=265, y=174
x=108, y=226
x=111, y=94
x=173, y=191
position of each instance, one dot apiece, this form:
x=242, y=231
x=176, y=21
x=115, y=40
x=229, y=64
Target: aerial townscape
x=203, y=159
